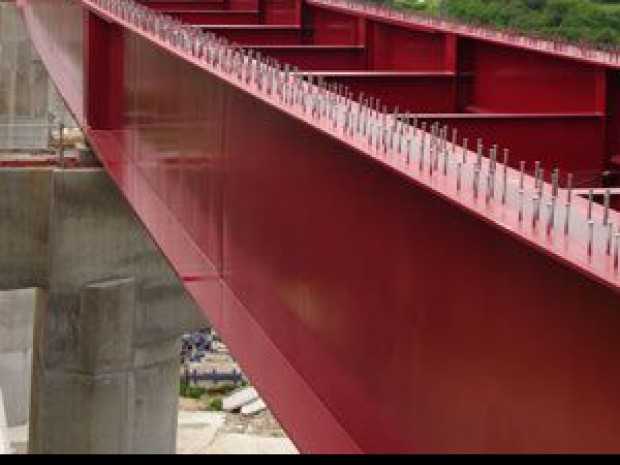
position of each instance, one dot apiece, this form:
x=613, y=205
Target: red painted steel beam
x=104, y=62
x=329, y=28
x=215, y=17
x=545, y=138
x=612, y=91
x=197, y=4
x=291, y=277
x=260, y=34
x=187, y=5
x=417, y=92
x=316, y=57
x=203, y=5
x=341, y=271
x=393, y=49
x=284, y=12
x=511, y=41
x=500, y=80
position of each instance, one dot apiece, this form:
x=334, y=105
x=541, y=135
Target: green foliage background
x=594, y=21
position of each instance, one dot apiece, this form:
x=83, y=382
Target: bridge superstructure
x=384, y=215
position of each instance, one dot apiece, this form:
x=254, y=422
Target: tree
x=596, y=21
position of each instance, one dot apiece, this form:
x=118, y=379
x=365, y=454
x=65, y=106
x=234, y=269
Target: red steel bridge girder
x=372, y=312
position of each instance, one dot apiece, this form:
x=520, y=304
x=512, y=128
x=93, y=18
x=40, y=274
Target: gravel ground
x=229, y=433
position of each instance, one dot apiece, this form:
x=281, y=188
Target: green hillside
x=595, y=21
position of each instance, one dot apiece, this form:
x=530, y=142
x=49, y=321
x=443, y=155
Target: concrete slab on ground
x=233, y=443
x=224, y=433
x=239, y=398
x=253, y=407
x=197, y=431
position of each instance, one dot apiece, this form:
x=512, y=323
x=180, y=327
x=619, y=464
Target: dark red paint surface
x=373, y=314
x=534, y=137
x=260, y=34
x=425, y=92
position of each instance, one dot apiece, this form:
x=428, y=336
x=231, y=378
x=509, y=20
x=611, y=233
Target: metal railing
x=35, y=137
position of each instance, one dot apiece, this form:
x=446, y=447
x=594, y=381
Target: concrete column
x=16, y=331
x=90, y=404
x=26, y=93
x=107, y=333
x=5, y=446
x=25, y=204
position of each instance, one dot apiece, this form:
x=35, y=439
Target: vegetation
x=211, y=398
x=592, y=21
x=191, y=392
x=214, y=404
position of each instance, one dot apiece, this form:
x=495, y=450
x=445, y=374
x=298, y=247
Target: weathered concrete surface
x=18, y=439
x=16, y=328
x=156, y=407
x=5, y=445
x=24, y=86
x=90, y=404
x=105, y=358
x=25, y=200
x=106, y=327
x=26, y=93
x=96, y=237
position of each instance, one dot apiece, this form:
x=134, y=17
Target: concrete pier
x=108, y=318
x=16, y=330
x=5, y=445
x=108, y=311
x=27, y=96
